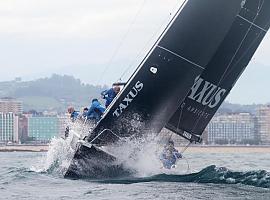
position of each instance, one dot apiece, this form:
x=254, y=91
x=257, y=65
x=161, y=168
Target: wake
x=210, y=174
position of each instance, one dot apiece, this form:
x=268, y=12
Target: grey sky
x=85, y=37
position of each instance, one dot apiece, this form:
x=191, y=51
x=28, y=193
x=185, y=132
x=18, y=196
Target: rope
x=185, y=148
x=170, y=136
x=102, y=133
x=180, y=115
x=182, y=152
x=188, y=168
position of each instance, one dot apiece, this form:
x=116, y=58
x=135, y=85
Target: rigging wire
x=186, y=147
x=180, y=115
x=168, y=18
x=188, y=165
x=159, y=38
x=121, y=41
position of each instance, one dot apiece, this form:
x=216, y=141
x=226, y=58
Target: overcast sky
x=97, y=41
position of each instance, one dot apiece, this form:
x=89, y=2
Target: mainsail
x=231, y=58
x=164, y=78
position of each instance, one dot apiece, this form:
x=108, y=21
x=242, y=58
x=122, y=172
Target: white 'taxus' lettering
x=128, y=99
x=206, y=93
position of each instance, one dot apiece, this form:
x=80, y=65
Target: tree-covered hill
x=53, y=93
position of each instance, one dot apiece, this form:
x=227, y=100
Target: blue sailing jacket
x=169, y=160
x=74, y=115
x=95, y=111
x=108, y=95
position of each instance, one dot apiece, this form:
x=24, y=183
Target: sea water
x=201, y=175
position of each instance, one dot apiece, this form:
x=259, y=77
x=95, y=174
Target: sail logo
x=206, y=93
x=128, y=99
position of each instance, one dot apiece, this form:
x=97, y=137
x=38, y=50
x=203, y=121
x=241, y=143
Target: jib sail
x=231, y=58
x=165, y=76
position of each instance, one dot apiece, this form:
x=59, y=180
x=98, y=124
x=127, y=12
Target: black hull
x=94, y=163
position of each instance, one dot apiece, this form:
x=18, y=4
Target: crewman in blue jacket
x=110, y=94
x=95, y=111
x=73, y=114
x=170, y=155
x=84, y=113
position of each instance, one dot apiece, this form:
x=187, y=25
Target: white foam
x=57, y=158
x=142, y=156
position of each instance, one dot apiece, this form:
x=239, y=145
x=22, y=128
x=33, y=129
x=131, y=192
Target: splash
x=61, y=151
x=57, y=158
x=141, y=155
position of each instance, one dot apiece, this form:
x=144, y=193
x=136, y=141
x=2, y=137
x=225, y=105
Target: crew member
x=84, y=113
x=73, y=114
x=95, y=111
x=169, y=155
x=110, y=94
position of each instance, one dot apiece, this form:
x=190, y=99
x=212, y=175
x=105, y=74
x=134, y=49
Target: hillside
x=227, y=107
x=54, y=93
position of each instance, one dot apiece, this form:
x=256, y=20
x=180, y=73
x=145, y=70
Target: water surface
x=211, y=176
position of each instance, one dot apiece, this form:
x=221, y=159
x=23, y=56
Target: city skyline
x=241, y=127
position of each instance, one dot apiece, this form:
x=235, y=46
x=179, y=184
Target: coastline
x=24, y=148
x=227, y=149
x=191, y=149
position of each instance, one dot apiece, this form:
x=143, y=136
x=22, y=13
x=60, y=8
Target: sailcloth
x=164, y=78
x=221, y=73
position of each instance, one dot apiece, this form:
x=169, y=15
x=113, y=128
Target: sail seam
x=252, y=23
x=233, y=57
x=180, y=56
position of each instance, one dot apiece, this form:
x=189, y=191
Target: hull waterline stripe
x=251, y=23
x=180, y=57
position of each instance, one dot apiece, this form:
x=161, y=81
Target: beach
x=30, y=148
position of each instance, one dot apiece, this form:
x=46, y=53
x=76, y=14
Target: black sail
x=165, y=76
x=231, y=58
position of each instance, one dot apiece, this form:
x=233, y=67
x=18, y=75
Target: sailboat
x=181, y=82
